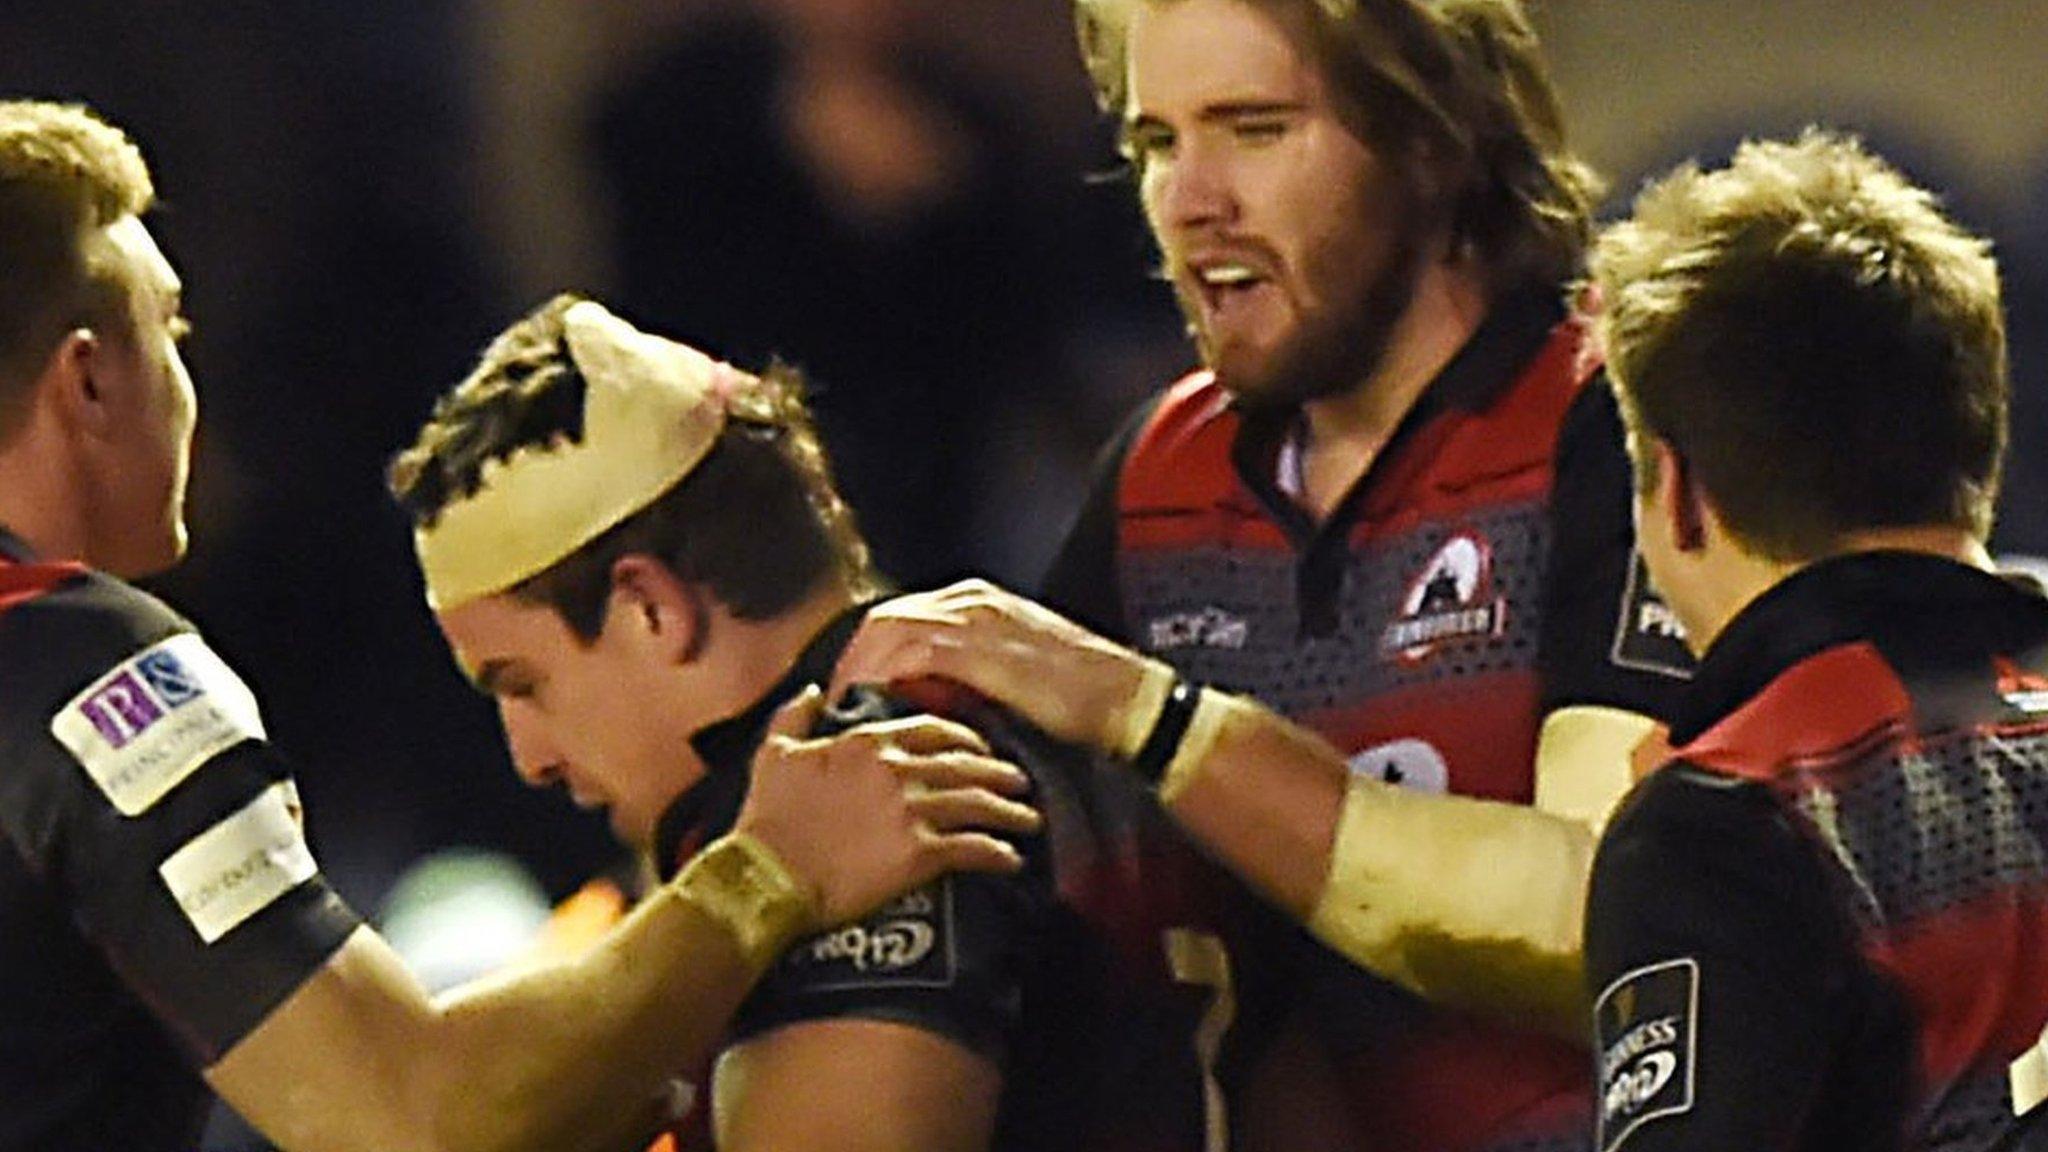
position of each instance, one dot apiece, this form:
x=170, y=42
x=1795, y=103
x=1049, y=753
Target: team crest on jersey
x=1450, y=599
x=1648, y=636
x=909, y=943
x=152, y=721
x=1647, y=1027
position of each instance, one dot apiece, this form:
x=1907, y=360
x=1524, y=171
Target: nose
x=1187, y=189
x=535, y=758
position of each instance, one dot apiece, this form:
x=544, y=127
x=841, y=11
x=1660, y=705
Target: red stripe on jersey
x=20, y=583
x=1180, y=480
x=1484, y=727
x=2002, y=938
x=1826, y=709
x=1512, y=441
x=1180, y=487
x=1460, y=1083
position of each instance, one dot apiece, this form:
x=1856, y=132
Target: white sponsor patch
x=239, y=866
x=155, y=719
x=1646, y=1029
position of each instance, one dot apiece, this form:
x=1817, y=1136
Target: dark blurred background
x=892, y=194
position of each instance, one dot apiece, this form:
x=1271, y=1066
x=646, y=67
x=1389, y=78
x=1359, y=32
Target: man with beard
x=1392, y=510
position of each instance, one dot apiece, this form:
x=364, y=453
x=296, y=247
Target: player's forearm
x=1470, y=903
x=1261, y=794
x=1466, y=902
x=570, y=1056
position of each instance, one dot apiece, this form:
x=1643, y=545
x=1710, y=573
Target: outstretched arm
x=1468, y=902
x=572, y=1055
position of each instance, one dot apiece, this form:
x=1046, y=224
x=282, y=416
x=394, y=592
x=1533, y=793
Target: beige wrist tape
x=1133, y=722
x=1466, y=902
x=739, y=882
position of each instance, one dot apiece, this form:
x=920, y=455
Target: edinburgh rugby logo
x=1450, y=600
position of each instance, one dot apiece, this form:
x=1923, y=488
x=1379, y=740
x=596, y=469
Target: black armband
x=1167, y=731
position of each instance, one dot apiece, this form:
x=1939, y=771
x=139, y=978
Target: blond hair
x=1823, y=345
x=64, y=173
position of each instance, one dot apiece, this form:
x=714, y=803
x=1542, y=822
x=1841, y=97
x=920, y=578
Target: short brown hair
x=1461, y=82
x=64, y=172
x=1820, y=343
x=757, y=521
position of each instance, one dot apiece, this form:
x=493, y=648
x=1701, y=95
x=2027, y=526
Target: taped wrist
x=740, y=883
x=1139, y=719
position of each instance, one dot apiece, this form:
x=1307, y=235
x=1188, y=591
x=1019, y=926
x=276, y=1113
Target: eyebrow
x=1223, y=110
x=489, y=675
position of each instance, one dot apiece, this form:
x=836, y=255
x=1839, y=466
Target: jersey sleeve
x=947, y=959
x=1606, y=638
x=1723, y=976
x=142, y=793
x=950, y=958
x=1082, y=582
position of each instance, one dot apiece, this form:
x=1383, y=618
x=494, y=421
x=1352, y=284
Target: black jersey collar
x=1887, y=597
x=15, y=548
x=727, y=749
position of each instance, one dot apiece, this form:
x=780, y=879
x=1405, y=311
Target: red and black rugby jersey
x=156, y=897
x=1097, y=980
x=1481, y=574
x=1825, y=924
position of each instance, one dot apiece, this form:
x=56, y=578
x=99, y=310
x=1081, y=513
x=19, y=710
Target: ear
x=68, y=382
x=654, y=607
x=1679, y=496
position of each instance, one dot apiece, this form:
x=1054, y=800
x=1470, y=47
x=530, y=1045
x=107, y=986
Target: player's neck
x=1957, y=544
x=766, y=650
x=39, y=499
x=1344, y=434
x=1740, y=576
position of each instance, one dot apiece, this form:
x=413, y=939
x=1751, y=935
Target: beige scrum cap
x=652, y=408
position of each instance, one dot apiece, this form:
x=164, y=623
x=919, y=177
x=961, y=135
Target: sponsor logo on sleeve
x=1646, y=1025
x=1648, y=636
x=151, y=722
x=908, y=944
x=1451, y=598
x=241, y=865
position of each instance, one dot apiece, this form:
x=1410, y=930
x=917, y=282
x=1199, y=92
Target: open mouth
x=1225, y=284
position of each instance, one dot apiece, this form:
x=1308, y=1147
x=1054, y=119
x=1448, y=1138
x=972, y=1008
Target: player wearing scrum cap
x=163, y=925
x=638, y=553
